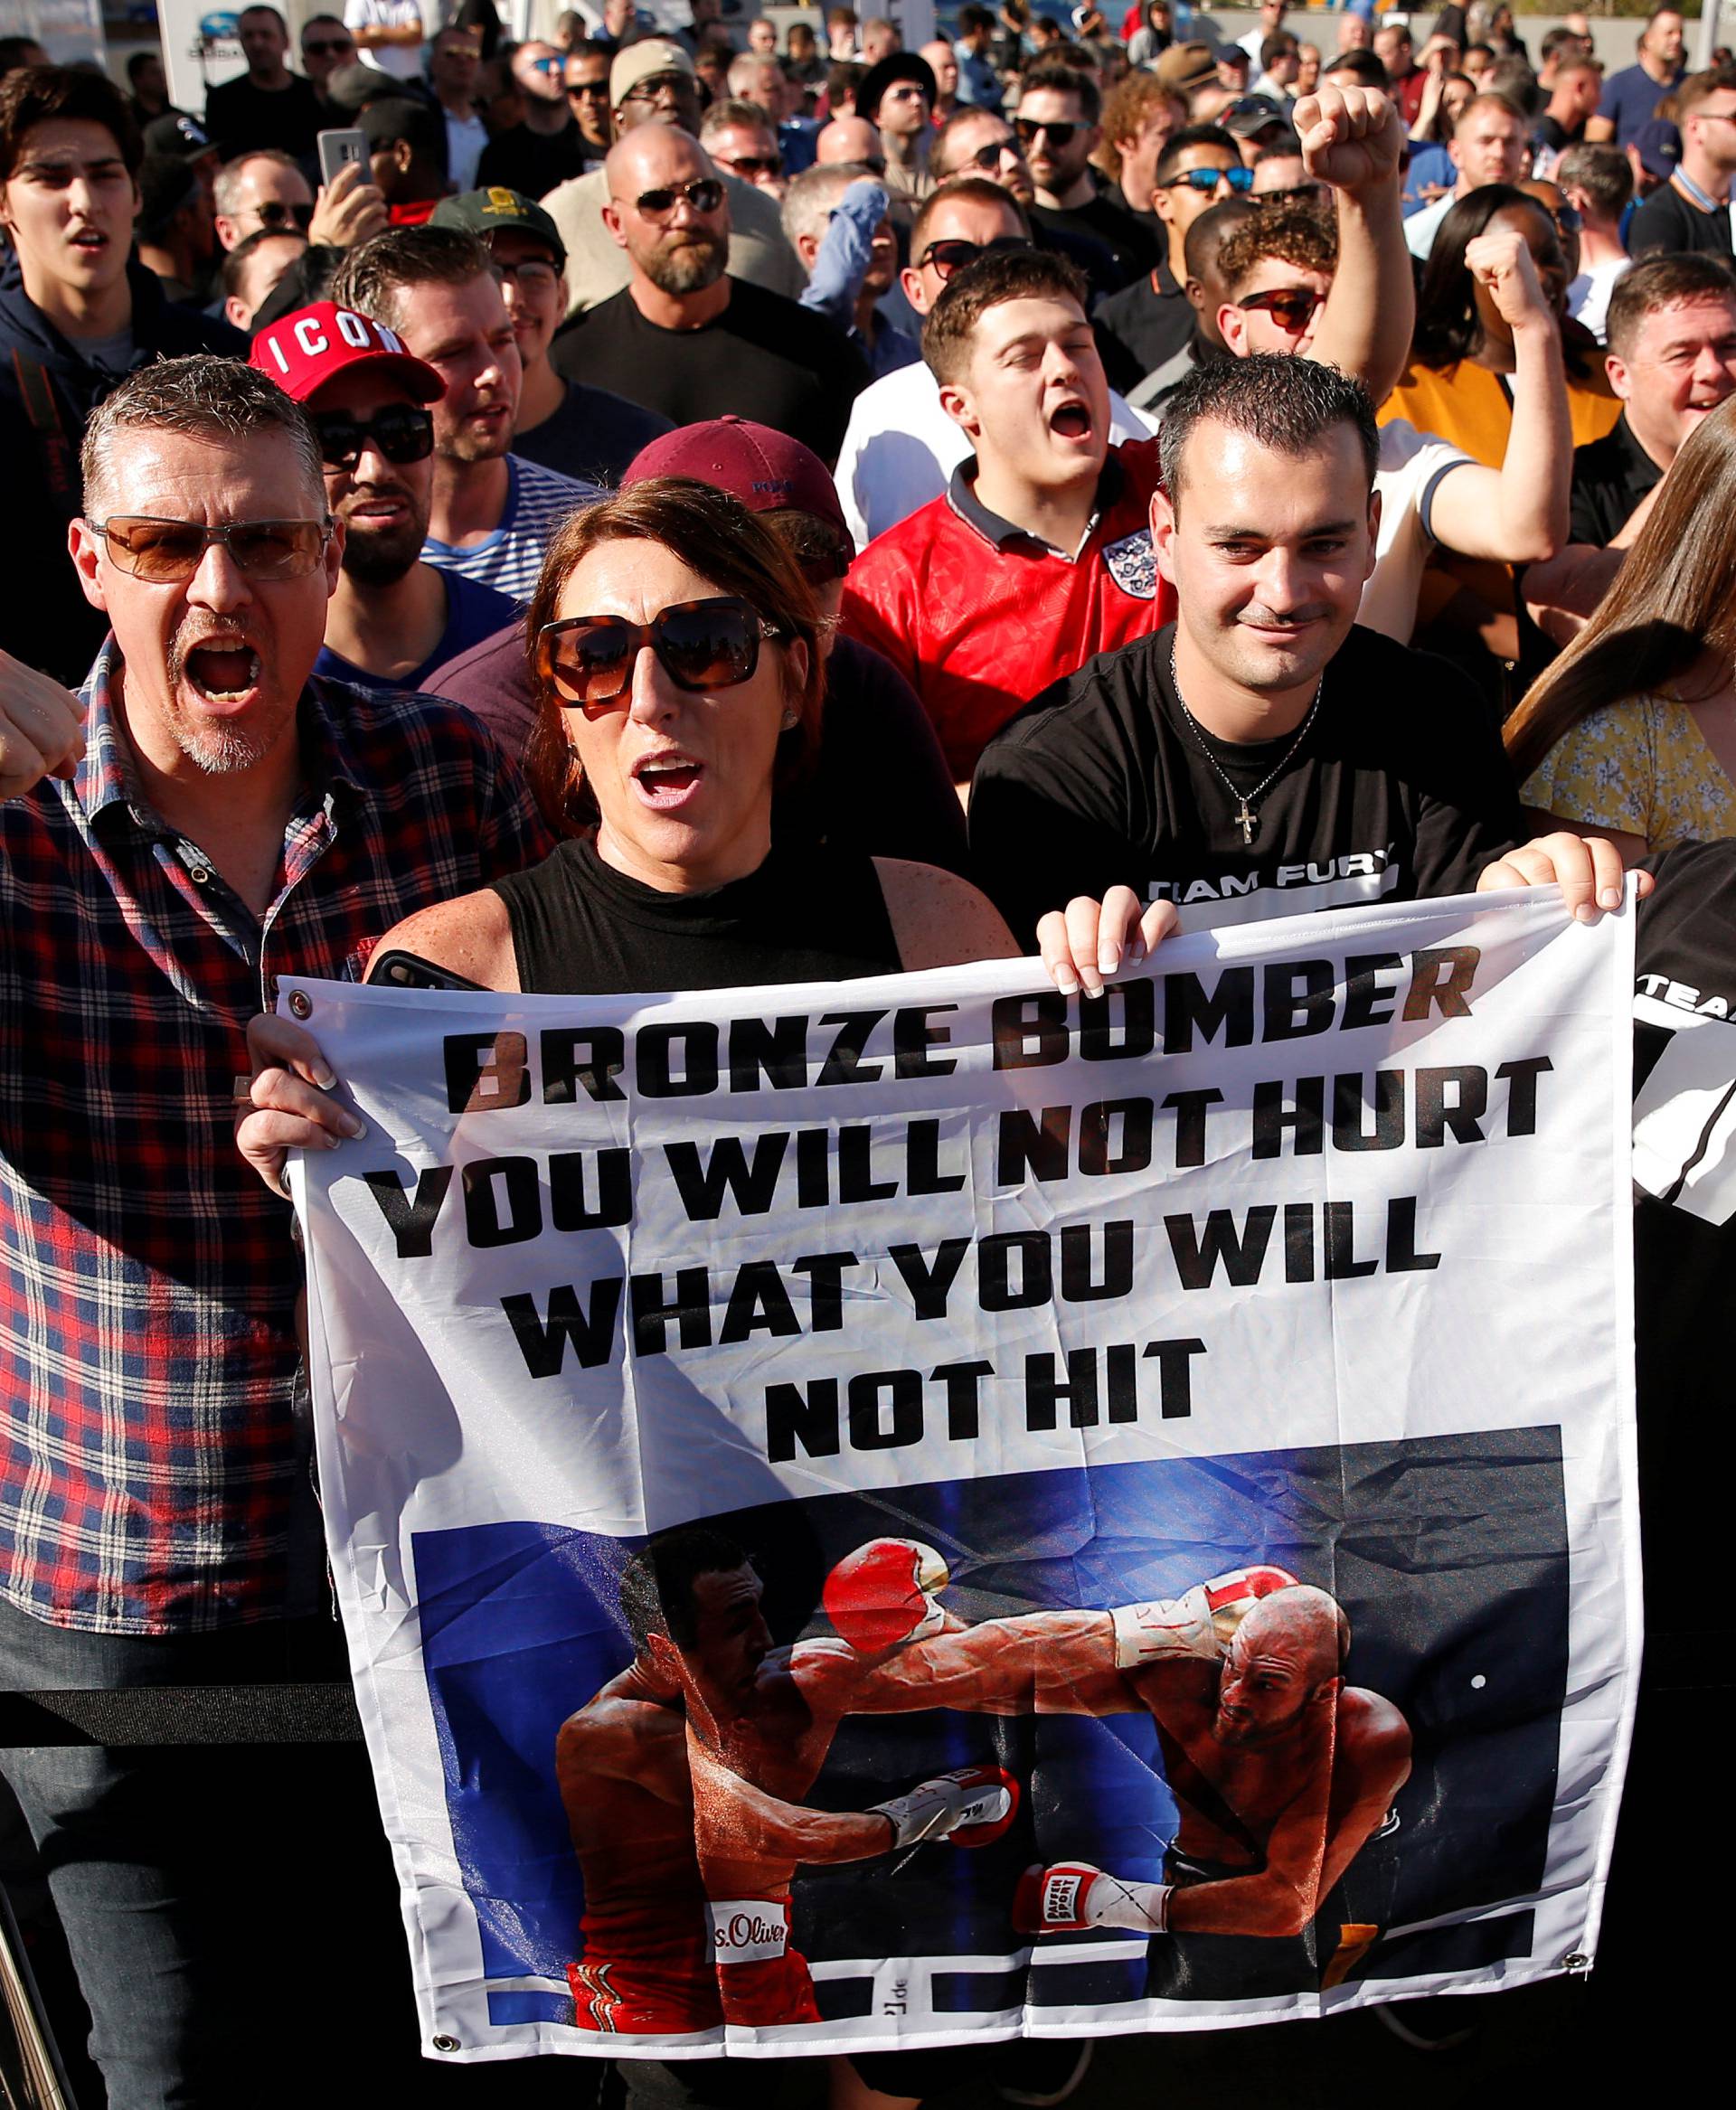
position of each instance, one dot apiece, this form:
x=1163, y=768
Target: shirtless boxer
x=727, y=1734
x=626, y=1774
x=1281, y=1774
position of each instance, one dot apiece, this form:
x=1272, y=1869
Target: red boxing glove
x=884, y=1593
x=1072, y=1896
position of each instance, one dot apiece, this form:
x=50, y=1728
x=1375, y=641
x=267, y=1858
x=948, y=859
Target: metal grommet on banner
x=1576, y=1960
x=301, y=1004
x=446, y=2044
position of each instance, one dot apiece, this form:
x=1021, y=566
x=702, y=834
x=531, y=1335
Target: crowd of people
x=714, y=508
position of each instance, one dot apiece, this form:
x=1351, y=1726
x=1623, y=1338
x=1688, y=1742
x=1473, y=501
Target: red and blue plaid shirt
x=152, y=1479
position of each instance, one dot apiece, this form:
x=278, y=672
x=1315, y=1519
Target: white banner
x=1143, y=1488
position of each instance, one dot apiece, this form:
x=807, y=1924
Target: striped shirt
x=152, y=1480
x=537, y=501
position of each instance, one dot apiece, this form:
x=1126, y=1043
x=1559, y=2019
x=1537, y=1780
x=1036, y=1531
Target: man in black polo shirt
x=1672, y=339
x=1261, y=755
x=1672, y=358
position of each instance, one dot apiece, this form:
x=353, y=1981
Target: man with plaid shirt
x=206, y=819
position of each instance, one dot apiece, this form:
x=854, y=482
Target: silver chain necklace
x=1247, y=812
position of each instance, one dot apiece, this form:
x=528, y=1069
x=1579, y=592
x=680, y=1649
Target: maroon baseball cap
x=303, y=351
x=764, y=469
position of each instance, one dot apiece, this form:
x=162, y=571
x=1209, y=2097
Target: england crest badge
x=1133, y=564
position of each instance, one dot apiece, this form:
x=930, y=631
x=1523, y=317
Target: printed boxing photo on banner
x=1250, y=1745
x=872, y=1515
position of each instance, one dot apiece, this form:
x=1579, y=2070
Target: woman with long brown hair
x=1632, y=731
x=674, y=654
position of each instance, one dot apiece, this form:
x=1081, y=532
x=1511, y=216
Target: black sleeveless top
x=808, y=914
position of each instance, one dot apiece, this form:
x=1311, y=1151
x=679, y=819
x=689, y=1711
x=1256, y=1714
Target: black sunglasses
x=704, y=194
x=750, y=165
x=275, y=214
x=1027, y=129
x=588, y=660
x=947, y=257
x=989, y=157
x=400, y=432
x=1299, y=194
x=595, y=90
x=325, y=47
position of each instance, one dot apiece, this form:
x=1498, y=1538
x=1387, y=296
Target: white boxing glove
x=1201, y=1622
x=972, y=1806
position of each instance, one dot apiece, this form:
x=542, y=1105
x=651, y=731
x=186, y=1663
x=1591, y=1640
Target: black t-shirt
x=1667, y=224
x=1084, y=251
x=764, y=358
x=1552, y=132
x=1133, y=249
x=805, y=915
x=241, y=117
x=1610, y=476
x=1684, y=1242
x=1146, y=324
x=593, y=436
x=1399, y=791
x=534, y=161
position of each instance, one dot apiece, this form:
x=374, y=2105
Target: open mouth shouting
x=667, y=780
x=1071, y=419
x=222, y=670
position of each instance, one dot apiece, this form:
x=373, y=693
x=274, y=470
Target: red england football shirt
x=980, y=616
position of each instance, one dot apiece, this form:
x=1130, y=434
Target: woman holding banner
x=675, y=659
x=675, y=649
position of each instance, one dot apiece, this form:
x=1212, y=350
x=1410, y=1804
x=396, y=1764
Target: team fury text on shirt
x=1350, y=881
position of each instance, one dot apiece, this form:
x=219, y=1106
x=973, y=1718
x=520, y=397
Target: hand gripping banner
x=877, y=1514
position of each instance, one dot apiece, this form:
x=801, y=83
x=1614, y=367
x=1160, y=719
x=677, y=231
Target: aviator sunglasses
x=704, y=194
x=400, y=433
x=588, y=660
x=167, y=552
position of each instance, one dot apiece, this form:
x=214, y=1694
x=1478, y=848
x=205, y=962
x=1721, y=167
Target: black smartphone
x=403, y=970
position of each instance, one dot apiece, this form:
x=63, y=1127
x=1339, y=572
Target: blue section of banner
x=1449, y=1556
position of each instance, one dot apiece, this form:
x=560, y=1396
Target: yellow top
x=1465, y=404
x=1642, y=766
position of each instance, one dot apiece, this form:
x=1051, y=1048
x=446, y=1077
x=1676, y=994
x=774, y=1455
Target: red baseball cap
x=303, y=351
x=764, y=469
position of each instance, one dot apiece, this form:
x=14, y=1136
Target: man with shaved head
x=851, y=139
x=651, y=87
x=1282, y=1773
x=683, y=338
